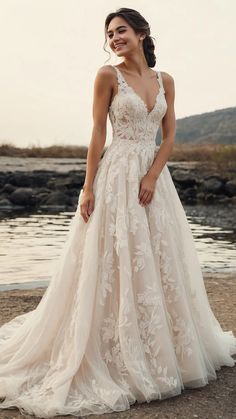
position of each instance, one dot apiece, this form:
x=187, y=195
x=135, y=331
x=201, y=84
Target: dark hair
x=140, y=25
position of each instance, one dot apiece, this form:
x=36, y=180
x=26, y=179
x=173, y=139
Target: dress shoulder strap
x=120, y=78
x=122, y=84
x=160, y=80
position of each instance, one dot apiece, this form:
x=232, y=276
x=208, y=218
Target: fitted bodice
x=129, y=116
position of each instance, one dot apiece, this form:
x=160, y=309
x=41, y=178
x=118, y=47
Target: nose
x=116, y=37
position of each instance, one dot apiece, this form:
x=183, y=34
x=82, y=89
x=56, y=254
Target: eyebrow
x=118, y=27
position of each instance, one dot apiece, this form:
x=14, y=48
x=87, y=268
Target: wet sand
x=217, y=400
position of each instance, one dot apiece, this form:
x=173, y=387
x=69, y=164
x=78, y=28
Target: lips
x=119, y=45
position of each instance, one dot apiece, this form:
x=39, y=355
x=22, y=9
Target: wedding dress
x=125, y=317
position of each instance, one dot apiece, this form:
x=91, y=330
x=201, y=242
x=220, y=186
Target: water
x=63, y=165
x=27, y=164
x=32, y=243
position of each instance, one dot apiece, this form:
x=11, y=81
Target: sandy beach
x=215, y=401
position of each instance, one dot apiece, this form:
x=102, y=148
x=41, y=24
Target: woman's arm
x=103, y=88
x=168, y=129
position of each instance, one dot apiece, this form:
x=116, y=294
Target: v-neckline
x=138, y=96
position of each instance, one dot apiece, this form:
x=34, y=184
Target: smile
x=119, y=45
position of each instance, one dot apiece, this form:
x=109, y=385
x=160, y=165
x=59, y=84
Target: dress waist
x=131, y=144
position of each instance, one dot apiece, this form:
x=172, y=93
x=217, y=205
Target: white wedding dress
x=125, y=317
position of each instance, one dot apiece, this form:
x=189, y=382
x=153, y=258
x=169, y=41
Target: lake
x=31, y=244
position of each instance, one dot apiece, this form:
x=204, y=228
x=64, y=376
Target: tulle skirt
x=126, y=316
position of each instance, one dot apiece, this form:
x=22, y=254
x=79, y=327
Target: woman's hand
x=146, y=190
x=87, y=204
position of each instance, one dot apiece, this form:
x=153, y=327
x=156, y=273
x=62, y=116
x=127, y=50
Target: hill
x=218, y=127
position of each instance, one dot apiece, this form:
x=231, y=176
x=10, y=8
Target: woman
x=126, y=316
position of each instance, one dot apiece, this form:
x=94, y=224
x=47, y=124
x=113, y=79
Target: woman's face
x=121, y=37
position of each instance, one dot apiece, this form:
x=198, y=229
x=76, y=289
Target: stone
x=200, y=196
x=190, y=192
x=224, y=200
x=8, y=188
x=22, y=196
x=5, y=203
x=210, y=198
x=230, y=187
x=56, y=198
x=20, y=179
x=233, y=200
x=40, y=179
x=212, y=185
x=183, y=177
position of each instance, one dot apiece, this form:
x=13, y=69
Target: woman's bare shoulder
x=167, y=77
x=168, y=82
x=106, y=71
x=105, y=78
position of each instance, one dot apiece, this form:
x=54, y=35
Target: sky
x=51, y=51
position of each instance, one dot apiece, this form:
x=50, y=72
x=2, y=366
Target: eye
x=120, y=31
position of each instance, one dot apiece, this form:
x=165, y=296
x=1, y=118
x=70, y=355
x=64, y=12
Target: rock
x=233, y=200
x=52, y=181
x=42, y=190
x=224, y=200
x=190, y=192
x=22, y=196
x=189, y=195
x=206, y=197
x=20, y=179
x=217, y=177
x=8, y=188
x=56, y=198
x=74, y=202
x=42, y=196
x=76, y=180
x=200, y=196
x=183, y=177
x=5, y=203
x=40, y=179
x=58, y=184
x=50, y=188
x=230, y=187
x=66, y=183
x=73, y=192
x=210, y=198
x=2, y=179
x=213, y=185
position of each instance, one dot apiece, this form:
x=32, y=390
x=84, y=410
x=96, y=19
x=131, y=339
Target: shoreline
x=216, y=400
x=57, y=186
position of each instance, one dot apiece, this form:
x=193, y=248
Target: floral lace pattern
x=130, y=118
x=126, y=315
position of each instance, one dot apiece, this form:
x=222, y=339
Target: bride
x=126, y=316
